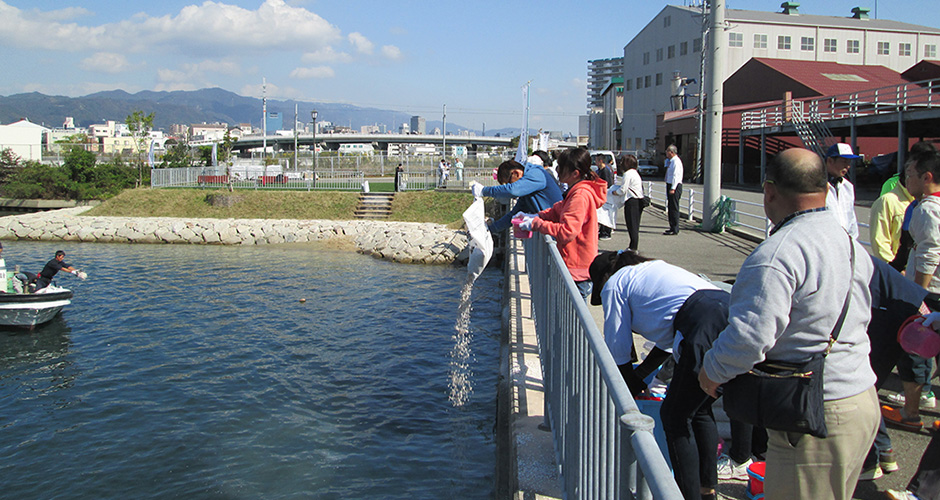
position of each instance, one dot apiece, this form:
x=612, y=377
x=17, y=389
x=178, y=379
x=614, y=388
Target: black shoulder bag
x=782, y=395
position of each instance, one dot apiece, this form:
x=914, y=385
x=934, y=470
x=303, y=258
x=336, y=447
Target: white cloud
x=106, y=62
x=578, y=83
x=391, y=52
x=195, y=75
x=209, y=28
x=317, y=72
x=326, y=54
x=361, y=43
x=273, y=91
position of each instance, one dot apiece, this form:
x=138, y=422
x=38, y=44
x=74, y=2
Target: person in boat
x=52, y=268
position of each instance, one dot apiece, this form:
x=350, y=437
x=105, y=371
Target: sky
x=407, y=55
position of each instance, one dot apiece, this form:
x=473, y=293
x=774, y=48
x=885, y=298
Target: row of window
x=808, y=43
x=670, y=51
x=643, y=82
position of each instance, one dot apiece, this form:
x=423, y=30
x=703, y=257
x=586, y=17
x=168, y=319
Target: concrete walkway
x=718, y=256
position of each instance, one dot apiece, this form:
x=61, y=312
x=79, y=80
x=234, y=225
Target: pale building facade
x=671, y=45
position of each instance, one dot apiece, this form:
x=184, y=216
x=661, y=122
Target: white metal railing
x=208, y=177
x=604, y=445
x=758, y=223
x=914, y=95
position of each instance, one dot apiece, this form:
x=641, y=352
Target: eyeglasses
x=767, y=181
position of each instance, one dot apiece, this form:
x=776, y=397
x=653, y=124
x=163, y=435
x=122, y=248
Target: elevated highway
x=379, y=142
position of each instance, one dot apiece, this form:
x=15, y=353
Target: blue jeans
x=585, y=288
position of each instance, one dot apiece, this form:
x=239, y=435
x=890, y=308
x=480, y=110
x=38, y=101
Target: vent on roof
x=860, y=12
x=790, y=8
x=844, y=77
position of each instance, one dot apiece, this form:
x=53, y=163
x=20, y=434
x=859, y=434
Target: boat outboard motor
x=24, y=281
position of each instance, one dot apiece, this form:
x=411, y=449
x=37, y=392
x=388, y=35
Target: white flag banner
x=215, y=154
x=523, y=152
x=150, y=159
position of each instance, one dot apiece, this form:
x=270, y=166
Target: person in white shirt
x=631, y=188
x=673, y=188
x=841, y=196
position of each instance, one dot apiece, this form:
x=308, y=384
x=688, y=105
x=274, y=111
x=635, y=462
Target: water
x=196, y=372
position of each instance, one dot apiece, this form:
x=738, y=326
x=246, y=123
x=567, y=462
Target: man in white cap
x=841, y=196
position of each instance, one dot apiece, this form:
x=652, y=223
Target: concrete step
x=374, y=206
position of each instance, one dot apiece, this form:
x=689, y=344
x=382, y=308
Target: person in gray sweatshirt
x=785, y=302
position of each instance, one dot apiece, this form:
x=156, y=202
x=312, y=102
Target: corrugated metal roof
x=732, y=15
x=830, y=78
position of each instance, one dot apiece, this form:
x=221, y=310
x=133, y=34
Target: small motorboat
x=20, y=307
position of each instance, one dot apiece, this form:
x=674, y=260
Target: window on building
x=760, y=41
x=646, y=81
x=904, y=49
x=637, y=143
x=670, y=52
x=659, y=55
x=639, y=82
x=629, y=84
x=697, y=45
x=830, y=44
x=851, y=46
x=884, y=48
x=807, y=43
x=783, y=42
x=930, y=51
x=659, y=78
x=667, y=21
x=683, y=48
x=735, y=39
x=646, y=58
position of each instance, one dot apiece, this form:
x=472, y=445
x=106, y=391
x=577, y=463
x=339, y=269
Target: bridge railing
x=905, y=97
x=603, y=444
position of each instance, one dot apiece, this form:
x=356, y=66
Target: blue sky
x=406, y=55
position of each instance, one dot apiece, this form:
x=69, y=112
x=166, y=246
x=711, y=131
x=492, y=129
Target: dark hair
x=505, y=168
x=59, y=253
x=626, y=162
x=546, y=160
x=577, y=159
x=803, y=175
x=925, y=161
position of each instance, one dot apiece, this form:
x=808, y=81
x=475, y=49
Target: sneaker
x=870, y=474
x=897, y=417
x=927, y=399
x=887, y=461
x=729, y=469
x=900, y=495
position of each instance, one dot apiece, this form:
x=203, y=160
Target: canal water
x=197, y=372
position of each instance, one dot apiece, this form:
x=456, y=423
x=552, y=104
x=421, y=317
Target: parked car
x=647, y=169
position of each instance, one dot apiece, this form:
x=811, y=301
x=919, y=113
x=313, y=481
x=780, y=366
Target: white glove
x=526, y=224
x=477, y=189
x=933, y=319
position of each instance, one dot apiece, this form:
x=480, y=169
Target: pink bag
x=915, y=338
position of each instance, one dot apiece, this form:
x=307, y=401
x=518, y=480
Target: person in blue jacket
x=534, y=187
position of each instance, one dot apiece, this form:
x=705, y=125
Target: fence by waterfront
x=603, y=444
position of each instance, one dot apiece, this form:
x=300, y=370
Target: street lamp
x=313, y=116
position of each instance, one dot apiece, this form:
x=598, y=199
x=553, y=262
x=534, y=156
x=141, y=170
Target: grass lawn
x=419, y=206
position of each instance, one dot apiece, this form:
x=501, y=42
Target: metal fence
x=217, y=178
x=747, y=214
x=603, y=443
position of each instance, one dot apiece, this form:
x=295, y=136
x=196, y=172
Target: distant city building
x=605, y=120
x=671, y=46
x=369, y=129
x=418, y=125
x=210, y=131
x=404, y=128
x=600, y=71
x=273, y=122
x=23, y=138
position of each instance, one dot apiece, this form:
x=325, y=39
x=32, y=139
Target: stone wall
x=407, y=242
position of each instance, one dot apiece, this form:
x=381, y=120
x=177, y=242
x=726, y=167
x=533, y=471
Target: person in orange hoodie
x=573, y=220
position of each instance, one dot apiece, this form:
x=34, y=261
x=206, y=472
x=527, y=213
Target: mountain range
x=198, y=106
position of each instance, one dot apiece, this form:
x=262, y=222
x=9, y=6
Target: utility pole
x=715, y=77
x=264, y=119
x=295, y=137
x=444, y=134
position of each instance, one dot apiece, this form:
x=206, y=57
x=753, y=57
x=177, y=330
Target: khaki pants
x=820, y=469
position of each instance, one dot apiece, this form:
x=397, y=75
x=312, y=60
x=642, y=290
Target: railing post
x=691, y=201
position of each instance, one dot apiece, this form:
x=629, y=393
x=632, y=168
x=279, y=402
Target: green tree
x=140, y=126
x=177, y=155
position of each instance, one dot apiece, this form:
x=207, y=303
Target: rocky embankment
x=407, y=242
